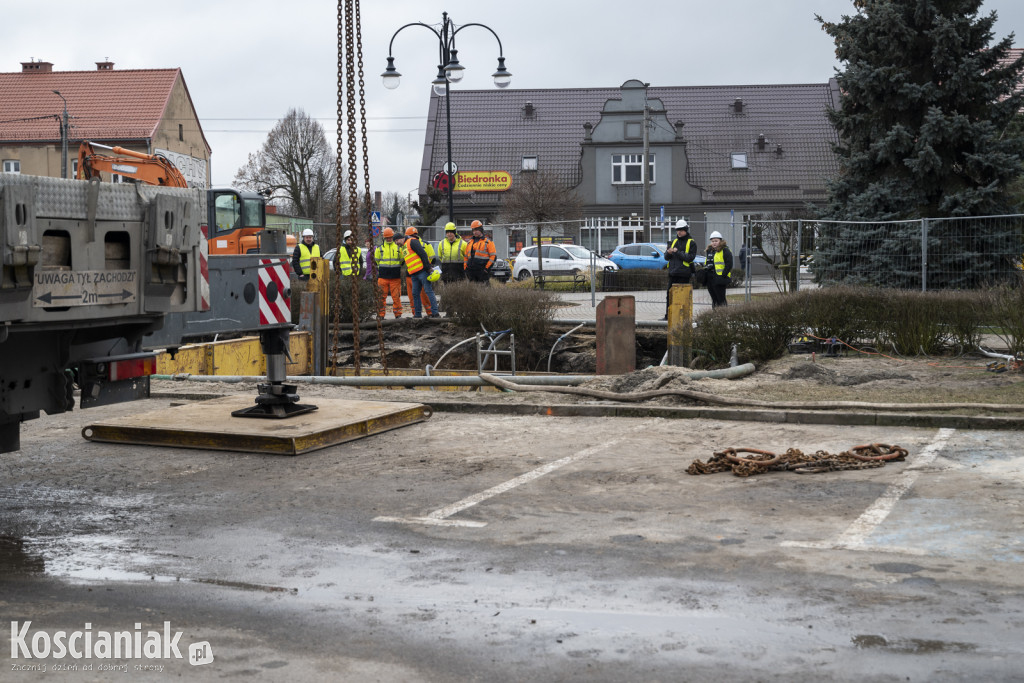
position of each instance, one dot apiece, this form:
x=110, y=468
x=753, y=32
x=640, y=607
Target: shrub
x=1006, y=309
x=341, y=299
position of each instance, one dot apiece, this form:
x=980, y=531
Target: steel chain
x=353, y=181
x=794, y=460
x=339, y=167
x=366, y=174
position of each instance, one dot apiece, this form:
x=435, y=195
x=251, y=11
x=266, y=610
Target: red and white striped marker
x=275, y=302
x=204, y=271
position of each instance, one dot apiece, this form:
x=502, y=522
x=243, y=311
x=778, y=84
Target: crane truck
x=88, y=268
x=237, y=234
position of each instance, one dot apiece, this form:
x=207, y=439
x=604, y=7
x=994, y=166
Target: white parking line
x=440, y=517
x=856, y=535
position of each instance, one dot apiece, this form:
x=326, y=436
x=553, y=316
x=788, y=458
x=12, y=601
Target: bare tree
x=295, y=164
x=395, y=207
x=776, y=234
x=539, y=198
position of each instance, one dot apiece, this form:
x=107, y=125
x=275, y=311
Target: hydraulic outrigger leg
x=276, y=399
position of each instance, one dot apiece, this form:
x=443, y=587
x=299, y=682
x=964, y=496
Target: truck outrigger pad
x=212, y=425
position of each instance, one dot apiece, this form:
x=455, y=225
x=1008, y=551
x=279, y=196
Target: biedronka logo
x=101, y=644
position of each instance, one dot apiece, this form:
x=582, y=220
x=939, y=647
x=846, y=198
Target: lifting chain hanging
x=339, y=173
x=794, y=460
x=366, y=174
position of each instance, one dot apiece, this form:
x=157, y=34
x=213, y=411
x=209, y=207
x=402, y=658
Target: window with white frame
x=628, y=168
x=530, y=163
x=12, y=166
x=739, y=159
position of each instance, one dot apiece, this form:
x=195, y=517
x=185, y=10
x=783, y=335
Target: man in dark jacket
x=680, y=254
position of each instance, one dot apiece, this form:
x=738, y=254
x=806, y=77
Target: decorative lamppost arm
x=448, y=71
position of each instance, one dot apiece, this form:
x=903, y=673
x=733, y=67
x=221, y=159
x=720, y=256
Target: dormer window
x=628, y=169
x=739, y=159
x=530, y=163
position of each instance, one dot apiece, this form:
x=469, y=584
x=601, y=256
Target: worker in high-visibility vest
x=719, y=259
x=348, y=260
x=452, y=254
x=305, y=251
x=418, y=263
x=388, y=259
x=680, y=254
x=429, y=248
x=480, y=255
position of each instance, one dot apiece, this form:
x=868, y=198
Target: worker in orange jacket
x=480, y=255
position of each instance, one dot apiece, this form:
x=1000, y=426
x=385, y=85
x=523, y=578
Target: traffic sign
x=662, y=213
x=375, y=217
x=375, y=229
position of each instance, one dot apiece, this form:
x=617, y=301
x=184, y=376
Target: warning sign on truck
x=83, y=287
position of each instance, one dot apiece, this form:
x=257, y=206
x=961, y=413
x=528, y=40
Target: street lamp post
x=448, y=71
x=63, y=138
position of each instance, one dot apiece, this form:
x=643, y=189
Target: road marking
x=856, y=535
x=440, y=517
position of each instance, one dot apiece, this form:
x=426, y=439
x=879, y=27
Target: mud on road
x=508, y=547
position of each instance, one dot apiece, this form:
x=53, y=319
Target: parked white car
x=558, y=258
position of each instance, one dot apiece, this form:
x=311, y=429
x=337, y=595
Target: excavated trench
x=410, y=343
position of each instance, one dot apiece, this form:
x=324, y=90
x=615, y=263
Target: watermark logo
x=101, y=644
x=200, y=653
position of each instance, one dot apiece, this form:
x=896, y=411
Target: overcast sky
x=247, y=63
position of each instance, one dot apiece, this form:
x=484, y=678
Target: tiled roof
x=1012, y=55
x=103, y=105
x=491, y=132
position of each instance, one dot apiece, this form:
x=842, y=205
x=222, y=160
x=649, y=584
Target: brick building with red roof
x=147, y=110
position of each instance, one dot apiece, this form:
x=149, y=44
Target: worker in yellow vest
x=348, y=260
x=719, y=260
x=305, y=251
x=388, y=258
x=452, y=254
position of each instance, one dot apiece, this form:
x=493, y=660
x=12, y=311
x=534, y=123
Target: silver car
x=567, y=258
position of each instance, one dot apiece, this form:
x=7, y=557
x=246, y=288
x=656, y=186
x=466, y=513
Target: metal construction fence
x=926, y=254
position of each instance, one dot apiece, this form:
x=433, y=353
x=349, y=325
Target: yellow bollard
x=680, y=313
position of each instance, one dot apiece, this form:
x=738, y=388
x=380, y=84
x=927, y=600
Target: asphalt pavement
x=515, y=547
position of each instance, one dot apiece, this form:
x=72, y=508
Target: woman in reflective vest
x=719, y=259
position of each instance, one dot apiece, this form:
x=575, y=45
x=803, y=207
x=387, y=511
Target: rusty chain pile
x=795, y=460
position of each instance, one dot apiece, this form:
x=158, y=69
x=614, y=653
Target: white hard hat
x=682, y=224
x=307, y=233
x=715, y=235
x=348, y=233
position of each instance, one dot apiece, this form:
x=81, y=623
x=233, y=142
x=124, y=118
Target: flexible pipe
x=559, y=341
x=748, y=402
x=440, y=381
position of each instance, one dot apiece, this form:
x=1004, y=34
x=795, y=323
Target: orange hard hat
x=387, y=232
x=476, y=224
x=410, y=230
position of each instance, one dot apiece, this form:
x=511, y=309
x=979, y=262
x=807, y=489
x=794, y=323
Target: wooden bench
x=577, y=278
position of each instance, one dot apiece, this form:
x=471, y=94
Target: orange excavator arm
x=151, y=169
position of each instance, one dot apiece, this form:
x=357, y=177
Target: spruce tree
x=924, y=132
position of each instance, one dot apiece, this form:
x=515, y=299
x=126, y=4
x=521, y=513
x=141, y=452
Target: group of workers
x=456, y=259
x=471, y=259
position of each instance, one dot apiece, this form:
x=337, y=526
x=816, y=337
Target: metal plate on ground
x=209, y=425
